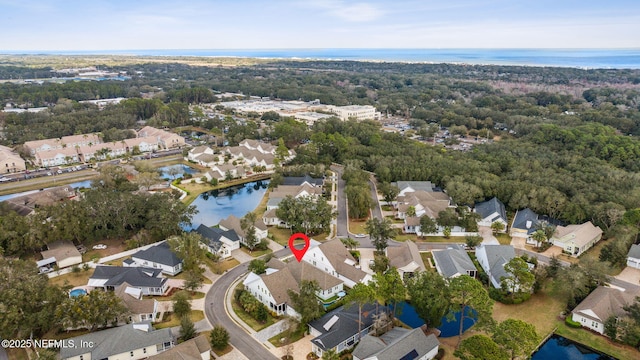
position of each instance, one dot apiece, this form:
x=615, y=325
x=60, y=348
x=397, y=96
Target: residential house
x=275, y=298
x=224, y=171
x=576, y=239
x=302, y=180
x=132, y=341
x=10, y=161
x=602, y=303
x=58, y=156
x=197, y=348
x=523, y=225
x=164, y=139
x=199, y=150
x=342, y=328
x=144, y=144
x=491, y=211
x=397, y=343
x=74, y=141
x=421, y=203
x=158, y=257
x=271, y=289
x=37, y=146
x=412, y=186
x=139, y=309
x=334, y=258
x=208, y=160
x=233, y=223
x=451, y=263
x=633, y=257
x=493, y=258
x=148, y=280
x=259, y=146
x=26, y=204
x=218, y=241
x=64, y=252
x=405, y=258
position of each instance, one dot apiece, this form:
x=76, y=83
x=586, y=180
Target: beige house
x=406, y=258
x=576, y=239
x=80, y=140
x=139, y=309
x=10, y=162
x=64, y=252
x=165, y=139
x=58, y=156
x=37, y=146
x=602, y=303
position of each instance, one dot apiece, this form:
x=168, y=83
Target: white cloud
x=347, y=11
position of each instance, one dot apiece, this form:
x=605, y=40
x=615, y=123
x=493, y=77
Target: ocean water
x=576, y=58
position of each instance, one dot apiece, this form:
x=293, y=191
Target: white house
x=197, y=151
x=148, y=280
x=64, y=253
x=576, y=239
x=334, y=258
x=271, y=290
x=491, y=211
x=139, y=309
x=158, y=257
x=221, y=172
x=602, y=303
x=132, y=341
x=219, y=241
x=633, y=257
x=55, y=157
x=493, y=258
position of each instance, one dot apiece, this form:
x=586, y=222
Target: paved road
x=215, y=312
x=342, y=221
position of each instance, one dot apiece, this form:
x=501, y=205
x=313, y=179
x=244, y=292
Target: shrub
x=219, y=337
x=571, y=323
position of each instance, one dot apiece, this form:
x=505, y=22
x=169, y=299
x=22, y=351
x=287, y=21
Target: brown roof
x=604, y=302
x=135, y=306
x=305, y=271
x=270, y=214
x=188, y=350
x=276, y=263
x=581, y=234
x=405, y=254
x=279, y=283
x=60, y=250
x=44, y=197
x=412, y=221
x=233, y=223
x=337, y=253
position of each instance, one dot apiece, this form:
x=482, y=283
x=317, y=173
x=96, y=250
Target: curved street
x=216, y=313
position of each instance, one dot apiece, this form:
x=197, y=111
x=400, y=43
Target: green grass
x=394, y=220
x=451, y=239
x=183, y=276
x=597, y=342
x=255, y=253
x=222, y=265
x=72, y=279
x=249, y=320
x=289, y=336
x=357, y=226
x=282, y=235
x=172, y=320
x=387, y=207
x=427, y=259
x=503, y=239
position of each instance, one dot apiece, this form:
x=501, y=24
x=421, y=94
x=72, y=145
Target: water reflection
x=561, y=348
x=216, y=205
x=173, y=172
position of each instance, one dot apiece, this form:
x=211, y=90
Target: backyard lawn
x=282, y=235
x=503, y=239
x=72, y=279
x=255, y=253
x=222, y=265
x=171, y=320
x=357, y=226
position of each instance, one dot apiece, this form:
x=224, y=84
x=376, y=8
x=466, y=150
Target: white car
x=360, y=236
x=3, y=179
x=99, y=247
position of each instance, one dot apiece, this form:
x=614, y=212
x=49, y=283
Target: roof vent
x=529, y=223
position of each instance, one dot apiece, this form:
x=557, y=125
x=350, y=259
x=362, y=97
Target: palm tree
x=539, y=236
x=360, y=294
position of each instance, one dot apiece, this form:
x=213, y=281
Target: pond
x=560, y=348
x=216, y=205
x=448, y=328
x=173, y=172
x=75, y=185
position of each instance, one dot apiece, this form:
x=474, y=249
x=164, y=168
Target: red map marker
x=299, y=253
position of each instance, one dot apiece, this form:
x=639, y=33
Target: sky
x=90, y=25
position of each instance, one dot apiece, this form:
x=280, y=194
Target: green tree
x=379, y=231
x=187, y=329
x=257, y=266
x=519, y=278
x=247, y=223
x=388, y=191
x=219, y=337
x=466, y=292
x=429, y=296
x=358, y=200
x=306, y=214
x=427, y=225
x=282, y=153
x=411, y=211
x=447, y=218
x=380, y=263
x=446, y=231
x=181, y=304
x=330, y=355
x=480, y=347
x=187, y=247
x=473, y=240
x=516, y=337
x=305, y=302
x=390, y=288
x=95, y=310
x=539, y=237
x=496, y=227
x=360, y=295
x=350, y=243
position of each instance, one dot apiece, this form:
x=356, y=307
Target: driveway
x=487, y=236
x=630, y=275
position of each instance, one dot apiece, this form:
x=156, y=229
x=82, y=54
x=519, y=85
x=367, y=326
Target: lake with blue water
x=173, y=172
x=560, y=348
x=75, y=185
x=216, y=205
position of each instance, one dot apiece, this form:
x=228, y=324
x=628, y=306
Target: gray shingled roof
x=523, y=218
x=634, y=252
x=135, y=276
x=415, y=185
x=160, y=254
x=453, y=262
x=489, y=207
x=212, y=236
x=345, y=327
x=396, y=344
x=498, y=256
x=299, y=180
x=116, y=340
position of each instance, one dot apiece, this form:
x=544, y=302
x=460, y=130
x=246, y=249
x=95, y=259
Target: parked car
x=59, y=171
x=360, y=235
x=4, y=179
x=49, y=173
x=99, y=247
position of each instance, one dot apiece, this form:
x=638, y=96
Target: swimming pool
x=77, y=292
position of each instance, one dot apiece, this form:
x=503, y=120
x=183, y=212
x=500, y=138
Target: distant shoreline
x=566, y=58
